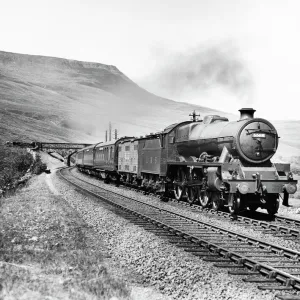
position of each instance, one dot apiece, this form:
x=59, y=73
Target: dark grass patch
x=47, y=250
x=14, y=162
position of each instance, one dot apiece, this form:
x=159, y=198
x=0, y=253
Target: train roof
x=86, y=148
x=89, y=147
x=173, y=126
x=128, y=140
x=110, y=143
x=125, y=139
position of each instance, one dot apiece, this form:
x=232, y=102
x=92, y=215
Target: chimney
x=109, y=131
x=247, y=113
x=105, y=135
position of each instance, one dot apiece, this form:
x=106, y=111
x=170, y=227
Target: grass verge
x=47, y=251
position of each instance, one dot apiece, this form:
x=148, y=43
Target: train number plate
x=259, y=135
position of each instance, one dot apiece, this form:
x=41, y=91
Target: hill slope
x=55, y=99
x=58, y=99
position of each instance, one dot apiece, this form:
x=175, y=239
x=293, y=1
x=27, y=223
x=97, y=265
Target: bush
x=38, y=166
x=14, y=162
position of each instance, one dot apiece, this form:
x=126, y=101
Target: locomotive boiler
x=212, y=162
x=252, y=140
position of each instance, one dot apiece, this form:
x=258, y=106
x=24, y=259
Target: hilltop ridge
x=59, y=99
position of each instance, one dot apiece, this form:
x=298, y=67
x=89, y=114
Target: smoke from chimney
x=207, y=69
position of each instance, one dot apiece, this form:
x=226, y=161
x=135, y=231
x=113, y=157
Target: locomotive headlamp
x=290, y=188
x=243, y=188
x=257, y=154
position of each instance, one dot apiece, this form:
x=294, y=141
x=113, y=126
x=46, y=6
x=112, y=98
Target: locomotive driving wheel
x=178, y=188
x=204, y=198
x=191, y=194
x=216, y=201
x=178, y=192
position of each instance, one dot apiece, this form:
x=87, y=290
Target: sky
x=223, y=54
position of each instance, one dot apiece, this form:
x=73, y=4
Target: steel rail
x=242, y=260
x=278, y=228
x=275, y=227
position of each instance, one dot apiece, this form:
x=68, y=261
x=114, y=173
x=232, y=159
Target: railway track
x=283, y=227
x=279, y=226
x=243, y=255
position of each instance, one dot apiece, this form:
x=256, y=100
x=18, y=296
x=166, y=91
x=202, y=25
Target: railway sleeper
x=243, y=247
x=223, y=260
x=201, y=253
x=206, y=234
x=243, y=272
x=288, y=297
x=259, y=279
x=188, y=246
x=230, y=265
x=275, y=287
x=274, y=260
x=175, y=241
x=261, y=253
x=286, y=236
x=285, y=267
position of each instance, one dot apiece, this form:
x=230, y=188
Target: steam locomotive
x=212, y=162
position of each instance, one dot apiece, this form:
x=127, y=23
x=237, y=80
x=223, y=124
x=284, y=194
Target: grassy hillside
x=57, y=99
x=54, y=99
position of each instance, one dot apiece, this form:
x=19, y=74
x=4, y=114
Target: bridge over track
x=64, y=149
x=61, y=146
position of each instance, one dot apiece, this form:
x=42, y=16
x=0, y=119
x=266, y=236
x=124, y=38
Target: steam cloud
x=204, y=69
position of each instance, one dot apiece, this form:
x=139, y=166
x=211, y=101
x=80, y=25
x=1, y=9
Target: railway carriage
x=128, y=159
x=79, y=159
x=104, y=159
x=88, y=156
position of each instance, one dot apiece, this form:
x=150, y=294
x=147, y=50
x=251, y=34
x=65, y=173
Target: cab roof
x=173, y=126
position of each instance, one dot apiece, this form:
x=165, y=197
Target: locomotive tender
x=210, y=162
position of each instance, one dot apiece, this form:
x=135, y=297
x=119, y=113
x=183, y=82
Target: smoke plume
x=201, y=70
